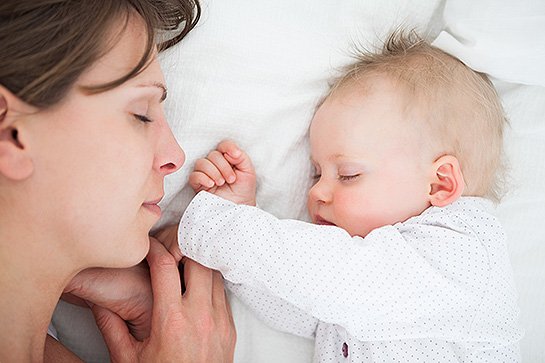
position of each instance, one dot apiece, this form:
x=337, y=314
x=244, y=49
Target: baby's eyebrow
x=337, y=156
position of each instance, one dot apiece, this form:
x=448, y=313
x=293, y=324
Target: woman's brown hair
x=47, y=44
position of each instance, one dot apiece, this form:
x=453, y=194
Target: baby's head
x=402, y=130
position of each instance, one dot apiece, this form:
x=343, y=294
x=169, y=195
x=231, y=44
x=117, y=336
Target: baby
x=404, y=261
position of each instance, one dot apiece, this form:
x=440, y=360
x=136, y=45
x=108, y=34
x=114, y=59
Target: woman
x=80, y=114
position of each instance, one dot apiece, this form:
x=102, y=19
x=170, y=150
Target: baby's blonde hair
x=460, y=106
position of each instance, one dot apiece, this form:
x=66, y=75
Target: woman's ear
x=447, y=182
x=15, y=162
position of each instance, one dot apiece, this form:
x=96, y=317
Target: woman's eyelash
x=348, y=177
x=142, y=118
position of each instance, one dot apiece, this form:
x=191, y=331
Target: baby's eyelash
x=348, y=177
x=316, y=176
x=142, y=118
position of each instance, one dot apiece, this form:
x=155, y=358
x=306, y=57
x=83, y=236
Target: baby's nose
x=320, y=193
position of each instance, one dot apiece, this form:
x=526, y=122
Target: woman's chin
x=141, y=251
x=134, y=252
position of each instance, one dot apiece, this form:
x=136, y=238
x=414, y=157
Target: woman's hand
x=125, y=291
x=226, y=172
x=195, y=327
x=168, y=236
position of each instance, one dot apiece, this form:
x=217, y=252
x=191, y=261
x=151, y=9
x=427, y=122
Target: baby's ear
x=447, y=182
x=15, y=163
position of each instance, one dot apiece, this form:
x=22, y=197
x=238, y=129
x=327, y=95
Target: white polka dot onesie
x=435, y=288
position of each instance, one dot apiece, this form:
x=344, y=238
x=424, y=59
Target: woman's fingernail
x=231, y=179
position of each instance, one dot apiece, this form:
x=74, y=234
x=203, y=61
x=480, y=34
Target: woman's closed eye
x=142, y=118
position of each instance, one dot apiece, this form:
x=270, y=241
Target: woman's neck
x=30, y=284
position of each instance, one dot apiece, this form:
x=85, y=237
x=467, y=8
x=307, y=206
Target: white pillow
x=499, y=37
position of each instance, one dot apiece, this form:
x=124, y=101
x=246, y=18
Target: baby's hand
x=226, y=172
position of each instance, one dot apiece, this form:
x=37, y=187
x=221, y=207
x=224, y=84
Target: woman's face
x=100, y=159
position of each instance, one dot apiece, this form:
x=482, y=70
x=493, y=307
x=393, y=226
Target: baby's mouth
x=323, y=222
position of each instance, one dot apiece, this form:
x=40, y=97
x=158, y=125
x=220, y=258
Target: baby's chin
x=322, y=222
x=360, y=232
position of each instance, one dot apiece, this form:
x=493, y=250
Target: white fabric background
x=253, y=71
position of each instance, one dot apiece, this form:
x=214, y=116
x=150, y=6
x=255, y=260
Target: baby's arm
x=264, y=254
x=226, y=172
x=382, y=287
x=274, y=311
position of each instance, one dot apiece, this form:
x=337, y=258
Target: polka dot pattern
x=435, y=288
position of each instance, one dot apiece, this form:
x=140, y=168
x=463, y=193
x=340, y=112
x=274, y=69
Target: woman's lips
x=154, y=201
x=153, y=206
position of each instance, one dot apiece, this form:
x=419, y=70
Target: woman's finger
x=207, y=167
x=168, y=236
x=218, y=290
x=116, y=335
x=223, y=166
x=198, y=282
x=229, y=311
x=165, y=279
x=232, y=337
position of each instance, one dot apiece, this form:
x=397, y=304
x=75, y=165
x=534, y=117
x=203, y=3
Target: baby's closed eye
x=348, y=177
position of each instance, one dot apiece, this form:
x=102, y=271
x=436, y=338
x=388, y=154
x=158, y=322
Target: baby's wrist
x=243, y=200
x=237, y=198
x=251, y=202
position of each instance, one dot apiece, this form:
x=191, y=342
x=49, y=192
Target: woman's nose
x=170, y=156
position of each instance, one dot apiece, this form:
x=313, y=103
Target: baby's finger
x=229, y=147
x=200, y=181
x=223, y=165
x=236, y=156
x=207, y=167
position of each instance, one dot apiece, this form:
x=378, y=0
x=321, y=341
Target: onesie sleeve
x=395, y=283
x=274, y=311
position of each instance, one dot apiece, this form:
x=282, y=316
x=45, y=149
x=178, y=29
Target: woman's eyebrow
x=158, y=85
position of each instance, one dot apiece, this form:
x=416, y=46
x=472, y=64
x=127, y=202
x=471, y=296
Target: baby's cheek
x=359, y=214
x=348, y=208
